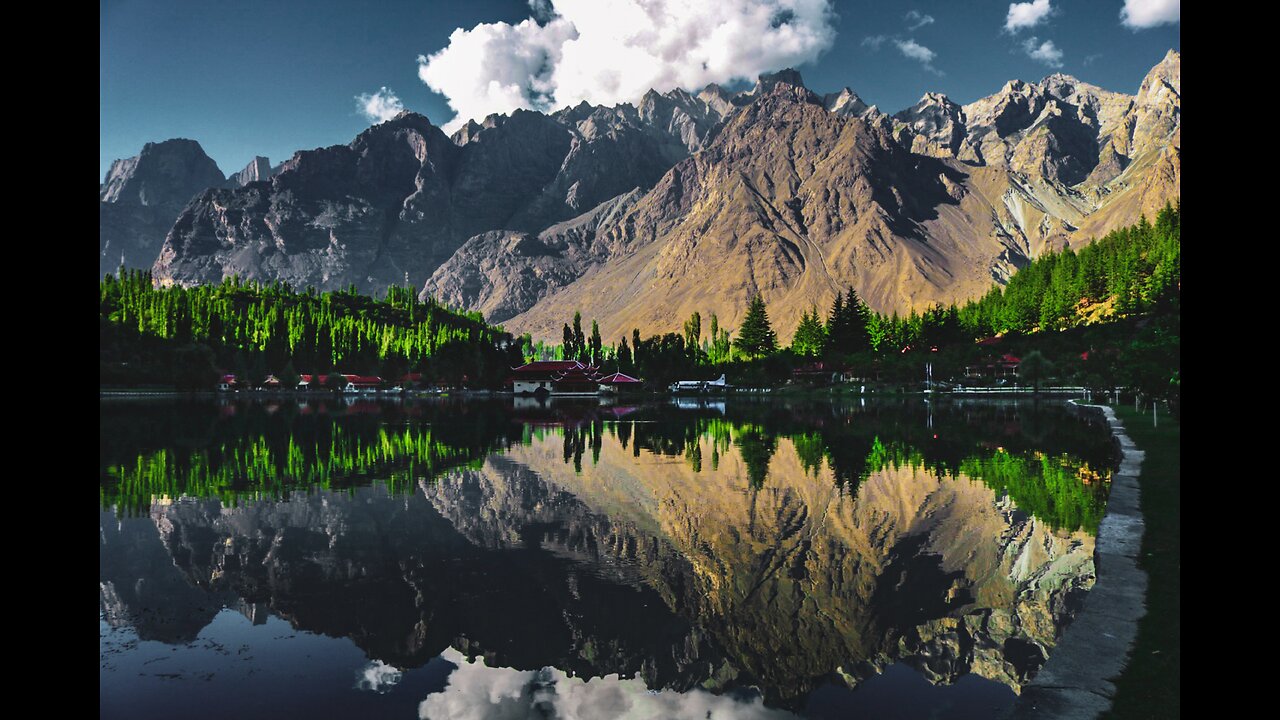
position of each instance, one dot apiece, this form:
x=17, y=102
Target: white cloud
x=1027, y=14
x=916, y=20
x=874, y=41
x=1139, y=14
x=478, y=692
x=916, y=51
x=612, y=51
x=378, y=677
x=380, y=106
x=1044, y=52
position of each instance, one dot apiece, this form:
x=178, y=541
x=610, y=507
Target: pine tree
x=756, y=337
x=810, y=335
x=579, y=340
x=624, y=357
x=693, y=330
x=596, y=356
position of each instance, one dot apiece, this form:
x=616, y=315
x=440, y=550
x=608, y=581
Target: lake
x=510, y=558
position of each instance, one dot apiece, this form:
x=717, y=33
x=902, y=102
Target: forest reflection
x=1047, y=462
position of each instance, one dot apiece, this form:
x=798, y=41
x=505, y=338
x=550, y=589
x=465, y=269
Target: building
x=352, y=384
x=566, y=377
x=1006, y=366
x=228, y=383
x=618, y=382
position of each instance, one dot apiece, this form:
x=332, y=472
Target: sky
x=246, y=77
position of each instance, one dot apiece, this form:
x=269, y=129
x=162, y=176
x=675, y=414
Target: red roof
x=1010, y=359
x=617, y=379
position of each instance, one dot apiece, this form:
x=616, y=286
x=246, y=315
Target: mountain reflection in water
x=748, y=560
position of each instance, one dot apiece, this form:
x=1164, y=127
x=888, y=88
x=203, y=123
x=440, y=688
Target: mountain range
x=638, y=215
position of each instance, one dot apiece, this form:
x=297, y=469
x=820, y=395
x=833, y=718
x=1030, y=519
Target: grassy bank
x=1150, y=686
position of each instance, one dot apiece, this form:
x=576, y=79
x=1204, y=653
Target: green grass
x=1150, y=686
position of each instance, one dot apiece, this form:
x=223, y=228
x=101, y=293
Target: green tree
x=596, y=357
x=1034, y=368
x=289, y=377
x=625, y=364
x=693, y=330
x=810, y=335
x=756, y=337
x=579, y=340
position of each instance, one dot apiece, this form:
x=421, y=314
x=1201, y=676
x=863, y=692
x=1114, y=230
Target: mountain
x=257, y=170
x=399, y=200
x=142, y=195
x=639, y=215
x=794, y=201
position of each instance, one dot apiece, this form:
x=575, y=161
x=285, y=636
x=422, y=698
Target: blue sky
x=249, y=78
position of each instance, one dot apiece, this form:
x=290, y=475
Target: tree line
x=1130, y=272
x=185, y=336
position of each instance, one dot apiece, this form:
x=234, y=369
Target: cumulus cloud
x=916, y=20
x=380, y=106
x=478, y=692
x=1044, y=52
x=1027, y=14
x=1138, y=14
x=874, y=41
x=918, y=52
x=613, y=51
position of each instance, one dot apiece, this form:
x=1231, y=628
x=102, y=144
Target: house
x=228, y=383
x=617, y=382
x=352, y=384
x=565, y=377
x=311, y=382
x=271, y=383
x=363, y=384
x=1004, y=367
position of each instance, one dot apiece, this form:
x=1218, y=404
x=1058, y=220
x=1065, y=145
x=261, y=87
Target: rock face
x=257, y=170
x=142, y=195
x=639, y=215
x=398, y=201
x=795, y=196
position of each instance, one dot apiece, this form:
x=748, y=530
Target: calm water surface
x=568, y=559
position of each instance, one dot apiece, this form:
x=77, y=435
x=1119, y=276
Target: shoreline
x=1078, y=679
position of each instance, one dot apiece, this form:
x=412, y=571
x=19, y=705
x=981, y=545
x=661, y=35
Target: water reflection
x=746, y=557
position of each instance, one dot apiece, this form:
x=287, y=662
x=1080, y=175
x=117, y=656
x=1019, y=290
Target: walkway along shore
x=1076, y=681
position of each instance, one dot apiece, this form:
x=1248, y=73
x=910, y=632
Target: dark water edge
x=286, y=570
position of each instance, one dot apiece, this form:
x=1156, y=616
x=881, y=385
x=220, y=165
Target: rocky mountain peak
x=257, y=170
x=717, y=99
x=141, y=196
x=767, y=81
x=1164, y=82
x=846, y=102
x=164, y=173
